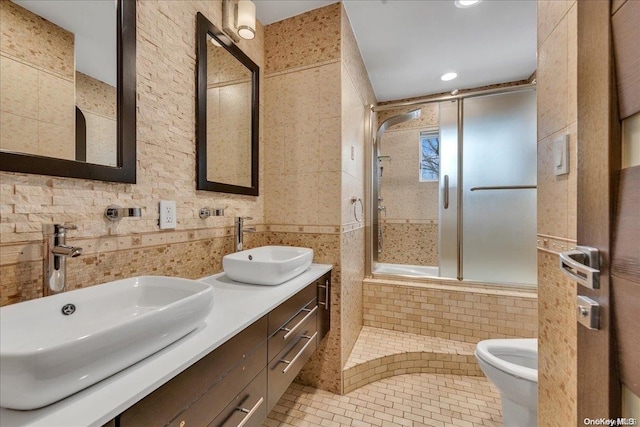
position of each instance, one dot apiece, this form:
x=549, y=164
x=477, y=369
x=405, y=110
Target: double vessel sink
x=53, y=347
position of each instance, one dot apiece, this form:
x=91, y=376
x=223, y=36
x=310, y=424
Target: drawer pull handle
x=293, y=330
x=249, y=412
x=291, y=362
x=325, y=303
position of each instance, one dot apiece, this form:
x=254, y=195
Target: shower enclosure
x=453, y=188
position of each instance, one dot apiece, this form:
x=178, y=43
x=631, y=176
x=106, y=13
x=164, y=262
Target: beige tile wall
x=37, y=96
x=404, y=195
x=314, y=160
x=357, y=95
x=166, y=65
x=557, y=103
x=467, y=313
x=323, y=370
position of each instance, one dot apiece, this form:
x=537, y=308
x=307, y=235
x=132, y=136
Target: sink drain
x=68, y=309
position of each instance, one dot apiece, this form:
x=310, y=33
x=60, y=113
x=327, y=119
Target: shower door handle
x=446, y=192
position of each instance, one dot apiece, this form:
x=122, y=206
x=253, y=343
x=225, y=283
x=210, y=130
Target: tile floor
x=374, y=343
x=404, y=400
x=381, y=353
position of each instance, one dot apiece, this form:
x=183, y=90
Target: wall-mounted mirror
x=68, y=88
x=227, y=114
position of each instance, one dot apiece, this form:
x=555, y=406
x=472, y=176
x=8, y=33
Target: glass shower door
x=498, y=184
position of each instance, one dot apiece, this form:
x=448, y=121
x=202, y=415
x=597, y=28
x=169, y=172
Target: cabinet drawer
x=161, y=406
x=289, y=332
x=213, y=402
x=249, y=408
x=285, y=365
x=285, y=311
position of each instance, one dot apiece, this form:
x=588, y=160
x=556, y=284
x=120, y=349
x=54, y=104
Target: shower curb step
x=382, y=353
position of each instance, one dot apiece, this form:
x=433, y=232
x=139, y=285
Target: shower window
x=429, y=156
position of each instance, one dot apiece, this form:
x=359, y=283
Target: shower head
x=395, y=120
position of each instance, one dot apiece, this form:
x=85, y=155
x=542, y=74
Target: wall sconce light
x=239, y=19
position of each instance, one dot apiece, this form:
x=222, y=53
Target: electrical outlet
x=353, y=153
x=167, y=214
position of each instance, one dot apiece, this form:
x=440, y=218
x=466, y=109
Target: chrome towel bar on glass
x=504, y=187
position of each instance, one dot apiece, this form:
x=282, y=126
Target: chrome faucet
x=240, y=230
x=56, y=252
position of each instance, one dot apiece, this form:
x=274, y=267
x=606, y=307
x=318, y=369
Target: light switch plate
x=561, y=155
x=167, y=215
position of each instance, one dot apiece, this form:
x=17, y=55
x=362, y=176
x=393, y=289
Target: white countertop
x=235, y=306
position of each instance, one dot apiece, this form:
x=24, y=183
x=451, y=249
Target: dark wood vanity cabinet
x=240, y=382
x=200, y=393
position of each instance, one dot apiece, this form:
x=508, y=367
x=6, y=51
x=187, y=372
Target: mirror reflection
x=58, y=79
x=227, y=112
x=229, y=96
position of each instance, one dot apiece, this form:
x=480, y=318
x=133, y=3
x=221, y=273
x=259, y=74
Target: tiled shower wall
x=557, y=201
x=316, y=90
x=410, y=223
x=166, y=64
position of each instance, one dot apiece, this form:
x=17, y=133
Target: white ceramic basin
x=46, y=355
x=267, y=265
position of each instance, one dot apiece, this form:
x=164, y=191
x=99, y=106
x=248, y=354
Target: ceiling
x=408, y=44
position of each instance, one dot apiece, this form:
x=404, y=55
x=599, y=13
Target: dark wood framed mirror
x=40, y=127
x=227, y=114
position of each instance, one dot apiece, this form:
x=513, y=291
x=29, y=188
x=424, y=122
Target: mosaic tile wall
x=557, y=195
x=190, y=254
x=467, y=313
x=412, y=242
x=323, y=370
x=307, y=39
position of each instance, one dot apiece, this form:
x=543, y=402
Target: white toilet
x=512, y=365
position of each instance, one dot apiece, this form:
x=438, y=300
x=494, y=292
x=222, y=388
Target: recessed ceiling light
x=448, y=76
x=463, y=4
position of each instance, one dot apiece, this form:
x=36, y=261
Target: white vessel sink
x=267, y=265
x=46, y=355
